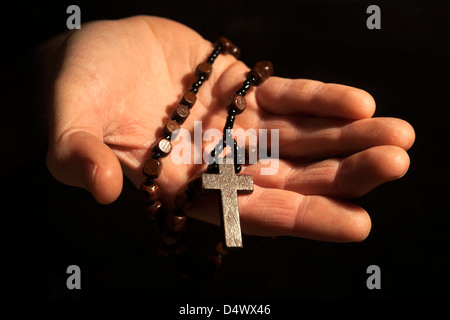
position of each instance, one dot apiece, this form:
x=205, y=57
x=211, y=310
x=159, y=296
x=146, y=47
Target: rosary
x=221, y=175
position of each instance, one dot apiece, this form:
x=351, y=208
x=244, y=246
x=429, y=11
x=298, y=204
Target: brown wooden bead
x=180, y=114
x=176, y=221
x=152, y=168
x=171, y=128
x=188, y=99
x=266, y=66
x=149, y=193
x=235, y=51
x=153, y=209
x=203, y=69
x=236, y=102
x=224, y=43
x=258, y=74
x=261, y=72
x=162, y=146
x=184, y=201
x=169, y=237
x=163, y=250
x=181, y=247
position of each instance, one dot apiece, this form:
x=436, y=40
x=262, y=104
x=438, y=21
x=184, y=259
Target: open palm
x=118, y=81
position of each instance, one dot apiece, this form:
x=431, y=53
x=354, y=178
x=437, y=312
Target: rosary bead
x=227, y=131
x=197, y=84
x=230, y=121
x=251, y=77
x=212, y=168
x=225, y=44
x=181, y=247
x=260, y=72
x=156, y=155
x=180, y=114
x=170, y=129
x=153, y=209
x=162, y=146
x=188, y=99
x=251, y=153
x=148, y=181
x=245, y=86
x=203, y=70
x=266, y=66
x=218, y=148
x=164, y=250
x=169, y=237
x=149, y=193
x=152, y=168
x=176, y=221
x=258, y=75
x=213, y=55
x=235, y=51
x=184, y=201
x=237, y=103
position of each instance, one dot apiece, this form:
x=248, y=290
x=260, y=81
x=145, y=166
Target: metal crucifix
x=229, y=184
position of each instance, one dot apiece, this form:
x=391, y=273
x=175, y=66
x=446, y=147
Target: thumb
x=81, y=159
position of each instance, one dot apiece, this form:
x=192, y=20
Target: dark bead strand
x=245, y=86
x=156, y=155
x=236, y=104
x=212, y=168
x=237, y=158
x=196, y=85
x=214, y=55
x=218, y=148
x=171, y=225
x=229, y=123
x=148, y=181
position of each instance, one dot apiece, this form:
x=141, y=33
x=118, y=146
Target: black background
x=48, y=226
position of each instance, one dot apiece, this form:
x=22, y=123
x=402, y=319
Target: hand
x=118, y=81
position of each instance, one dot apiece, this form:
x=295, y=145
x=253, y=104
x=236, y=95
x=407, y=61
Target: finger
x=308, y=97
x=348, y=177
x=81, y=159
x=281, y=212
x=315, y=138
x=269, y=212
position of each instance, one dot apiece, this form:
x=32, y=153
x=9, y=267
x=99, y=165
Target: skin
x=118, y=81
